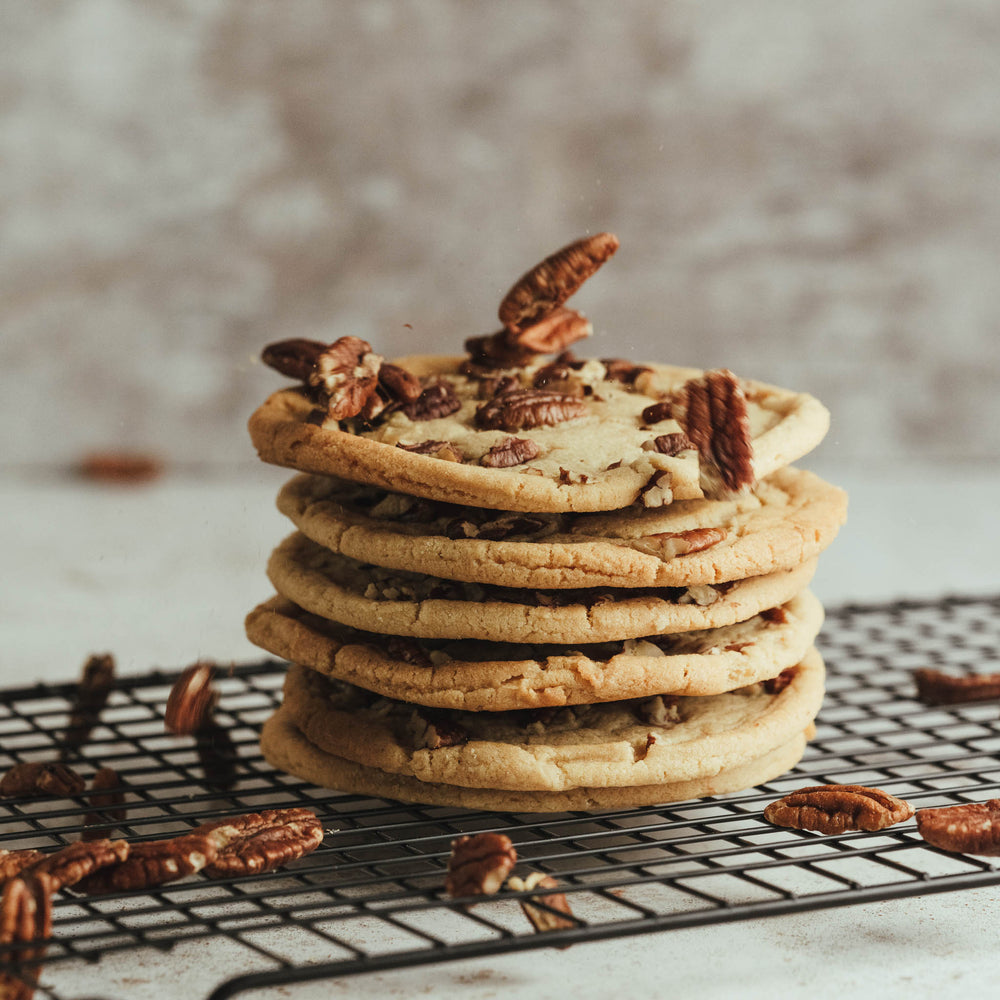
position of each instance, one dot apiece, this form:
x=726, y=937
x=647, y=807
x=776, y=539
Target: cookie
x=601, y=442
x=286, y=749
x=613, y=744
x=791, y=517
x=395, y=602
x=496, y=677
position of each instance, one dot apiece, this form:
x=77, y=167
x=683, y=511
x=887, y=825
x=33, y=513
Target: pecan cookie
x=483, y=676
x=791, y=517
x=400, y=603
x=635, y=742
x=598, y=440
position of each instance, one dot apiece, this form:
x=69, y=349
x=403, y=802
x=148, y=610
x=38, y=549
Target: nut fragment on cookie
x=833, y=809
x=538, y=909
x=479, y=864
x=522, y=409
x=345, y=377
x=969, y=828
x=509, y=452
x=935, y=687
x=191, y=700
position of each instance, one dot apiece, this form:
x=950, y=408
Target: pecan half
x=443, y=450
x=714, y=416
x=259, y=842
x=835, y=808
x=89, y=699
x=295, y=357
x=543, y=919
x=345, y=377
x=152, y=863
x=970, y=828
x=106, y=799
x=29, y=780
x=555, y=331
x=25, y=920
x=72, y=864
x=509, y=452
x=191, y=700
x=217, y=756
x=525, y=408
x=14, y=862
x=934, y=687
x=436, y=401
x=549, y=284
x=479, y=864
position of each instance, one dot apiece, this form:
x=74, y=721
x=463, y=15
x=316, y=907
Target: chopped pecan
x=539, y=909
x=443, y=450
x=217, y=756
x=14, y=862
x=658, y=491
x=124, y=467
x=495, y=385
x=72, y=864
x=401, y=385
x=260, y=842
x=106, y=799
x=656, y=412
x=493, y=351
x=934, y=687
x=668, y=444
x=554, y=331
x=89, y=699
x=432, y=731
x=969, y=828
x=714, y=417
x=437, y=400
x=619, y=370
x=29, y=780
x=679, y=543
x=191, y=700
x=509, y=452
x=152, y=863
x=833, y=809
x=512, y=524
x=295, y=357
x=479, y=864
x=556, y=372
x=549, y=284
x=775, y=685
x=525, y=408
x=25, y=921
x=345, y=377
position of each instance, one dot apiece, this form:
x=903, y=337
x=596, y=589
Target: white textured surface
x=162, y=575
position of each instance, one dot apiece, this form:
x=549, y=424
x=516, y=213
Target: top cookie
x=614, y=444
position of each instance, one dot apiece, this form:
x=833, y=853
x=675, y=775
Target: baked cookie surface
x=495, y=677
x=286, y=748
x=599, y=452
x=790, y=517
x=396, y=602
x=615, y=744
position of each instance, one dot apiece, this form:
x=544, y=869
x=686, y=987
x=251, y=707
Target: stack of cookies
x=527, y=580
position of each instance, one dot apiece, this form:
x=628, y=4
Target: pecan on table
x=543, y=919
x=509, y=452
x=934, y=687
x=555, y=331
x=14, y=862
x=191, y=700
x=75, y=862
x=258, y=842
x=295, y=357
x=479, y=864
x=106, y=799
x=25, y=921
x=969, y=828
x=126, y=468
x=549, y=284
x=36, y=778
x=714, y=417
x=525, y=408
x=835, y=809
x=345, y=377
x=89, y=699
x=151, y=863
x=436, y=401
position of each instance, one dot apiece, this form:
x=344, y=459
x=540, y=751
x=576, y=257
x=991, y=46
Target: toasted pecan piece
x=37, y=778
x=968, y=828
x=192, y=699
x=345, y=377
x=538, y=909
x=479, y=864
x=89, y=699
x=837, y=808
x=151, y=863
x=935, y=687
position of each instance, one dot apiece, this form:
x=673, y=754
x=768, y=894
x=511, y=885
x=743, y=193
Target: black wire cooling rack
x=370, y=898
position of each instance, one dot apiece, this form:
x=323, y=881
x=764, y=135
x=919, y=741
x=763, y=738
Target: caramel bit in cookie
x=295, y=358
x=345, y=377
x=509, y=452
x=125, y=468
x=619, y=370
x=775, y=685
x=714, y=416
x=969, y=828
x=775, y=616
x=436, y=401
x=444, y=450
x=479, y=864
x=668, y=444
x=554, y=332
x=934, y=687
x=834, y=809
x=525, y=408
x=549, y=284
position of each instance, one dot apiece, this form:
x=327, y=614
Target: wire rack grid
x=370, y=898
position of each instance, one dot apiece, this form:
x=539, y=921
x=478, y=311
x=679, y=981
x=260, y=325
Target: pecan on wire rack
x=106, y=798
x=968, y=828
x=935, y=687
x=539, y=909
x=151, y=863
x=31, y=779
x=479, y=864
x=834, y=809
x=89, y=699
x=76, y=862
x=25, y=921
x=192, y=700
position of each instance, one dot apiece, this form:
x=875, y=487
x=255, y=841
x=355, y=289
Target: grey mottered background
x=806, y=193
